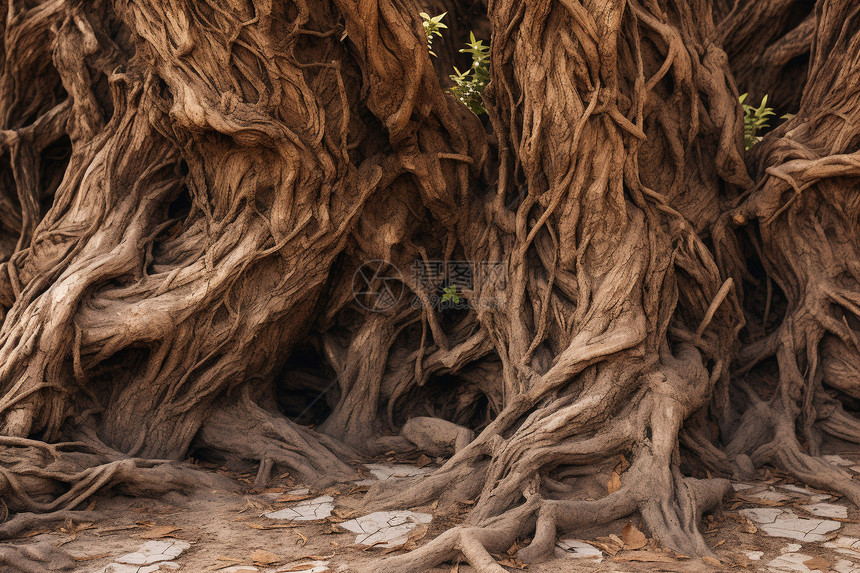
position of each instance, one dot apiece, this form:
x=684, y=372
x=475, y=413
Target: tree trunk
x=195, y=190
x=802, y=217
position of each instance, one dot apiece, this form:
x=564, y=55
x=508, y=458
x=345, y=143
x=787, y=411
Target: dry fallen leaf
x=35, y=533
x=264, y=557
x=346, y=513
x=607, y=545
x=274, y=526
x=512, y=562
x=411, y=541
x=293, y=497
x=614, y=483
x=423, y=461
x=712, y=561
x=817, y=563
x=159, y=532
x=72, y=528
x=759, y=501
x=518, y=544
x=632, y=537
x=256, y=506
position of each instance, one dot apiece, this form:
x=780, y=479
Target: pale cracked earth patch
x=845, y=566
x=804, y=491
x=382, y=472
x=578, y=549
x=791, y=562
x=311, y=510
x=120, y=568
x=779, y=493
x=803, y=563
x=150, y=557
x=385, y=528
x=769, y=495
x=827, y=510
x=845, y=545
x=784, y=523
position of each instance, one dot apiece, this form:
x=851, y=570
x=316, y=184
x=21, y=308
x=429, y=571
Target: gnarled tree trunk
x=193, y=188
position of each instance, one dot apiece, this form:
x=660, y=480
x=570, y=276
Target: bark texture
x=191, y=189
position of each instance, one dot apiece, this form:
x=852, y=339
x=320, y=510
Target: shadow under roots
x=306, y=388
x=450, y=398
x=271, y=426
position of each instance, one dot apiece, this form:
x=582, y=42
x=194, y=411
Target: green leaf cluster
x=755, y=120
x=451, y=294
x=432, y=27
x=469, y=85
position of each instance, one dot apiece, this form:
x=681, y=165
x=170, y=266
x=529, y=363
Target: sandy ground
x=228, y=531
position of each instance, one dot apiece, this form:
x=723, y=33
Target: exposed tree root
x=37, y=557
x=34, y=558
x=41, y=477
x=576, y=391
x=548, y=518
x=804, y=212
x=26, y=521
x=233, y=164
x=244, y=431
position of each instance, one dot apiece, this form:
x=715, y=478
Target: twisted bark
x=802, y=216
x=193, y=188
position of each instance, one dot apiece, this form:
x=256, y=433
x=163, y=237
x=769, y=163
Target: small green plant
x=469, y=85
x=432, y=25
x=450, y=294
x=755, y=119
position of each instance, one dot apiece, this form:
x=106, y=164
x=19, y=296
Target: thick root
x=26, y=521
x=34, y=558
x=245, y=432
x=44, y=478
